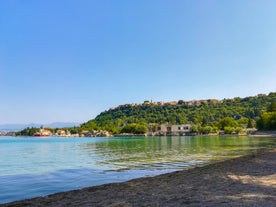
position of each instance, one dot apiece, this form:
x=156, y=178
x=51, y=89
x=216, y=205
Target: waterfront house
x=174, y=129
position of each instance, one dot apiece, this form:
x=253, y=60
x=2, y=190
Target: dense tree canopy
x=134, y=129
x=27, y=132
x=267, y=120
x=242, y=110
x=272, y=107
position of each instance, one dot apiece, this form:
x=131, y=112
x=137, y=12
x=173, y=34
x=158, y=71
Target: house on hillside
x=174, y=130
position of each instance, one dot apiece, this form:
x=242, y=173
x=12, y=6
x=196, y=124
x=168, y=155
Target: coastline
x=243, y=181
x=257, y=133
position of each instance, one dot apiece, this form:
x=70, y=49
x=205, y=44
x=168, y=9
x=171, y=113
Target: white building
x=171, y=129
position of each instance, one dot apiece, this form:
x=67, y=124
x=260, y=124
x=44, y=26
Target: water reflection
x=58, y=164
x=169, y=152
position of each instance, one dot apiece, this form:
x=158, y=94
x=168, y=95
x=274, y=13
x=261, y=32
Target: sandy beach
x=245, y=181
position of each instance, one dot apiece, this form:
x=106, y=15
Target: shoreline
x=270, y=134
x=248, y=181
x=263, y=134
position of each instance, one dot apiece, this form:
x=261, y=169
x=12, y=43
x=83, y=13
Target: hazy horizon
x=21, y=126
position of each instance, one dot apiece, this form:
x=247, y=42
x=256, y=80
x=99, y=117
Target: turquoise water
x=31, y=167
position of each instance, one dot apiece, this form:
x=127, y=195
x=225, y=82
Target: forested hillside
x=204, y=112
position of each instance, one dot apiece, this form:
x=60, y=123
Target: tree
x=27, y=132
x=227, y=122
x=238, y=130
x=243, y=122
x=194, y=129
x=181, y=102
x=206, y=129
x=229, y=130
x=251, y=123
x=134, y=129
x=140, y=129
x=267, y=121
x=272, y=107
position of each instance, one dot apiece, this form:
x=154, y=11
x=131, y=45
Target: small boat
x=37, y=134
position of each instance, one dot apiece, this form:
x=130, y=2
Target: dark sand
x=246, y=181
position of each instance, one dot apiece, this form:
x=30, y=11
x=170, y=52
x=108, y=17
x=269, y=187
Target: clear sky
x=69, y=60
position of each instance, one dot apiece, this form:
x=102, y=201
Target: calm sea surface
x=31, y=167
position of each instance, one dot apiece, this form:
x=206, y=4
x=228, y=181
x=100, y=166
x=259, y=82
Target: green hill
x=201, y=112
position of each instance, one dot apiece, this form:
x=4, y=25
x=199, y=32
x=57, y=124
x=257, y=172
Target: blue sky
x=69, y=60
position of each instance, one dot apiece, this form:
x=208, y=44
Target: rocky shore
x=264, y=134
x=245, y=181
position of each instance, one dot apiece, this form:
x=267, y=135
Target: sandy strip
x=246, y=181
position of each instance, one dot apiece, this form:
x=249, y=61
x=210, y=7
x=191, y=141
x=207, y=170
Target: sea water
x=32, y=166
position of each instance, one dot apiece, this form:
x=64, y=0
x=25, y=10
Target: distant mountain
x=61, y=124
x=18, y=127
x=15, y=127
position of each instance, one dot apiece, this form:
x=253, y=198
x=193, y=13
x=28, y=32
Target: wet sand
x=245, y=181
